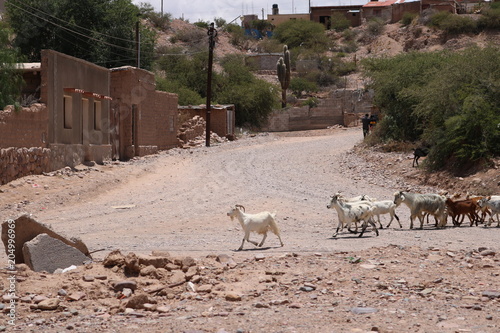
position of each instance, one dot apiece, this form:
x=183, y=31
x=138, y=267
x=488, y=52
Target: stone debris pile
x=192, y=134
x=392, y=287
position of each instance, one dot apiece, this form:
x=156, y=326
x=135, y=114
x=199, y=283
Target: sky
x=207, y=10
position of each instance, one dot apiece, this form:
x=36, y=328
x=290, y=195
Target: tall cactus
x=283, y=69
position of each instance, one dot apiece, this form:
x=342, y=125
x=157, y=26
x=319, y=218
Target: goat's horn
x=240, y=206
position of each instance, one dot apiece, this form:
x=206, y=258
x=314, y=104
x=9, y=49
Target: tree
x=99, y=31
x=449, y=100
x=11, y=79
x=308, y=34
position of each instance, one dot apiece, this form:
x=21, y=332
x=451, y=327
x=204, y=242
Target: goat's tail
x=273, y=226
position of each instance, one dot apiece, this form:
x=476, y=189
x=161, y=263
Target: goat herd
x=364, y=209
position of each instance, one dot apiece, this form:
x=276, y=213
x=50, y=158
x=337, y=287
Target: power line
x=73, y=31
x=79, y=35
x=76, y=25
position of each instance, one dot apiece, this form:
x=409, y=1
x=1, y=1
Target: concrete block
x=27, y=228
x=45, y=253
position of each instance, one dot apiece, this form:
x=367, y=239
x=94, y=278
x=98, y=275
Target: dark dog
x=419, y=152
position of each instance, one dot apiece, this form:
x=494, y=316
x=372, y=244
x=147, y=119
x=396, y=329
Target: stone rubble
x=398, y=283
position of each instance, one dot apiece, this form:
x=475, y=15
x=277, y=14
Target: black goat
x=419, y=152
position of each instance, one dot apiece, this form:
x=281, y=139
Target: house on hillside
x=441, y=5
x=390, y=11
x=351, y=12
x=276, y=18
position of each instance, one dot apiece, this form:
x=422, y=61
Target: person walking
x=365, y=121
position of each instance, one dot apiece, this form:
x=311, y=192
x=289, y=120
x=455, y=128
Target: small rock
x=233, y=297
x=491, y=294
x=118, y=286
x=295, y=306
x=76, y=296
x=38, y=298
x=361, y=310
x=260, y=257
x=126, y=292
x=62, y=292
x=190, y=287
x=261, y=305
x=163, y=309
x=49, y=304
x=88, y=278
x=487, y=253
x=204, y=288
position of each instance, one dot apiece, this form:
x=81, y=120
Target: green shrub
x=339, y=22
x=219, y=22
x=201, y=24
x=349, y=34
x=408, y=18
x=300, y=84
x=375, y=26
x=452, y=23
x=237, y=34
x=190, y=35
x=312, y=102
x=447, y=99
x=186, y=96
x=307, y=34
x=490, y=18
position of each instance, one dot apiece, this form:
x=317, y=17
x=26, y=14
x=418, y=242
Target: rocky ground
x=163, y=272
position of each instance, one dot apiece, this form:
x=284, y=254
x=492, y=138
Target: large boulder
x=26, y=228
x=45, y=253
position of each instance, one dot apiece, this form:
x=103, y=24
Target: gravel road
x=177, y=200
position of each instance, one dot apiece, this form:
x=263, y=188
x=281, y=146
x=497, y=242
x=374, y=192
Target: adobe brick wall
x=147, y=118
x=27, y=127
x=218, y=118
x=337, y=109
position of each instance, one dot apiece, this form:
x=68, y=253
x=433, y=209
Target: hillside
x=395, y=39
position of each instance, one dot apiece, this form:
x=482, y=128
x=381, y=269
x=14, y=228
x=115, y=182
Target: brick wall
x=27, y=127
x=144, y=120
x=219, y=120
x=333, y=110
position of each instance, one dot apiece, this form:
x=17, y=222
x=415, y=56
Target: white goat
x=385, y=207
x=360, y=198
x=434, y=204
x=351, y=213
x=493, y=203
x=260, y=223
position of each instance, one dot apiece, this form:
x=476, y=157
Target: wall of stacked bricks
x=218, y=119
x=156, y=112
x=27, y=127
x=338, y=108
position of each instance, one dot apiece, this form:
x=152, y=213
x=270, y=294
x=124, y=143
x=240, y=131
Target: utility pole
x=212, y=33
x=138, y=42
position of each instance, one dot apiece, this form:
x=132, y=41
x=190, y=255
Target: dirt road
x=401, y=281
x=177, y=201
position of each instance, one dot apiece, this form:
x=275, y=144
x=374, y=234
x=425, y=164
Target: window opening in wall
x=68, y=112
x=97, y=115
x=85, y=120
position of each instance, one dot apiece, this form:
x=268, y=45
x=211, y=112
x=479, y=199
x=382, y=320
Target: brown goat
x=462, y=207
